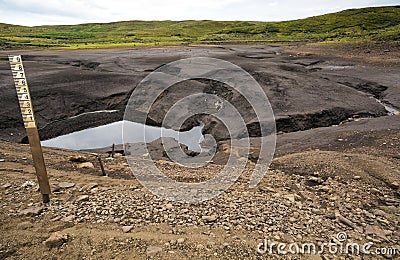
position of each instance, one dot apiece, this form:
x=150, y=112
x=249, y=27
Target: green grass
x=366, y=24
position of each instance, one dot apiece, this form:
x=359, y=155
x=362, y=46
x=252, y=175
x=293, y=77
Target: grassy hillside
x=366, y=24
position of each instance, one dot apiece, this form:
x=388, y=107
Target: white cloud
x=38, y=12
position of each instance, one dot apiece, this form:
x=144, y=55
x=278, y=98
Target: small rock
x=344, y=220
x=313, y=181
x=209, y=218
x=325, y=188
x=55, y=188
x=89, y=186
x=82, y=198
x=86, y=165
x=28, y=184
x=290, y=197
x=375, y=230
x=6, y=186
x=180, y=240
x=69, y=218
x=78, y=159
x=266, y=189
x=31, y=212
x=199, y=247
x=133, y=187
x=152, y=250
x=66, y=185
x=127, y=229
x=24, y=225
x=169, y=206
x=24, y=159
x=2, y=160
x=357, y=177
x=379, y=212
x=395, y=184
x=55, y=219
x=56, y=240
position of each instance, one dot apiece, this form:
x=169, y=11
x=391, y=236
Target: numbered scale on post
x=22, y=90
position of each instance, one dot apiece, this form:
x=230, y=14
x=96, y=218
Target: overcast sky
x=39, y=12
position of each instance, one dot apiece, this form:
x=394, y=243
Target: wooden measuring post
x=25, y=104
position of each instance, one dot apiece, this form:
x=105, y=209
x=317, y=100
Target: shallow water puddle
x=107, y=135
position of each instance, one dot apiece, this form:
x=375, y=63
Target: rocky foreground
x=95, y=217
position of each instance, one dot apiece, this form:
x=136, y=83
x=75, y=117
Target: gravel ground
x=103, y=217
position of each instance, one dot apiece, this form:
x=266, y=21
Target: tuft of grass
x=365, y=24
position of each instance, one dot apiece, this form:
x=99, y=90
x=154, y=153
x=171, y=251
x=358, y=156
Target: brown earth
x=340, y=174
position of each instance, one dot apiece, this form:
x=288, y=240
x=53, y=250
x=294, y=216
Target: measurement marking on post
x=25, y=104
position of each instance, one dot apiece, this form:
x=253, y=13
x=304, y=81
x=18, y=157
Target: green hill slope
x=366, y=24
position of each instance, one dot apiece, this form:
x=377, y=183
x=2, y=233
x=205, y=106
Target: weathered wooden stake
x=101, y=165
x=113, y=151
x=25, y=104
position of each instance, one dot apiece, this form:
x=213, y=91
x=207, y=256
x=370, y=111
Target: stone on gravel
x=266, y=189
x=31, y=212
x=127, y=229
x=344, y=220
x=56, y=240
x=395, y=184
x=82, y=198
x=180, y=240
x=6, y=186
x=375, y=230
x=169, y=206
x=66, y=185
x=24, y=225
x=290, y=197
x=209, y=218
x=28, y=184
x=152, y=250
x=86, y=165
x=69, y=218
x=89, y=186
x=2, y=160
x=78, y=159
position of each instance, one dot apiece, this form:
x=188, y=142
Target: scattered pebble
x=152, y=250
x=180, y=240
x=82, y=198
x=31, y=212
x=84, y=165
x=56, y=240
x=66, y=185
x=127, y=229
x=24, y=225
x=6, y=186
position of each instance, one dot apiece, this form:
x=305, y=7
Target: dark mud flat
x=336, y=166
x=75, y=90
